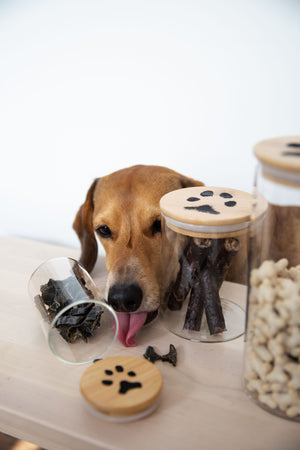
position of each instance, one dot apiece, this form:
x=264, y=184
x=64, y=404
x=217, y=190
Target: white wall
x=91, y=86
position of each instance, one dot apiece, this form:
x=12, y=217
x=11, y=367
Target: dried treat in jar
x=214, y=222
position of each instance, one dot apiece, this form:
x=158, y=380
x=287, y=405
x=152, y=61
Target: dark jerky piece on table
x=170, y=357
x=151, y=354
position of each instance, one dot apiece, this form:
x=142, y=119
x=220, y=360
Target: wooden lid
x=121, y=386
x=280, y=155
x=217, y=209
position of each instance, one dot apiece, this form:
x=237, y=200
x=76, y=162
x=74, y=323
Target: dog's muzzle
x=126, y=299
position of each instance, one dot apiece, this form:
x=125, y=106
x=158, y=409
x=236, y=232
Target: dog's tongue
x=129, y=325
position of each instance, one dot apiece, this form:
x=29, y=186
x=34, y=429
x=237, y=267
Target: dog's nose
x=125, y=297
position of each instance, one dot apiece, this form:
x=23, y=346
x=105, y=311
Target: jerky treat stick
x=213, y=307
x=171, y=301
x=184, y=278
x=195, y=307
x=228, y=251
x=198, y=251
x=192, y=258
x=209, y=278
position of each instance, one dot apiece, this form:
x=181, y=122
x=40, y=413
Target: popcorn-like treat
x=272, y=355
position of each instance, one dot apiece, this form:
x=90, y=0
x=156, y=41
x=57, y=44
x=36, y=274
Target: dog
x=122, y=210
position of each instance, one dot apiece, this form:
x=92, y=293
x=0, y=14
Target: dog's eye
x=104, y=231
x=156, y=226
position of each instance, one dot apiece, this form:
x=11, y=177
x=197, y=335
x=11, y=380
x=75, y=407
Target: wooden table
x=203, y=405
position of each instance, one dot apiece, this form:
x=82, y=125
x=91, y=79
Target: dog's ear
x=83, y=225
x=189, y=182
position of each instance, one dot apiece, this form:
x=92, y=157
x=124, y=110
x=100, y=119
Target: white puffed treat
x=272, y=355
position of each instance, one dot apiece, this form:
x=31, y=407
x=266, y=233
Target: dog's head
x=122, y=209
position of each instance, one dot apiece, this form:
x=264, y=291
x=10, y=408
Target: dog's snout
x=125, y=297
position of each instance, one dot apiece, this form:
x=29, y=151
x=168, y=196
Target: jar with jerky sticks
x=205, y=240
x=272, y=348
x=78, y=325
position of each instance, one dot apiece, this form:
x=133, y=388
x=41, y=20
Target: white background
x=88, y=87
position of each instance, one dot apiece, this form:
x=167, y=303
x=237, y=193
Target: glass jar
x=272, y=348
x=78, y=325
x=205, y=239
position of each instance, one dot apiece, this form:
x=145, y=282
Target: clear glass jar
x=272, y=348
x=78, y=325
x=205, y=240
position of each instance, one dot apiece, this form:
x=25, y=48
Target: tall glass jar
x=205, y=240
x=272, y=349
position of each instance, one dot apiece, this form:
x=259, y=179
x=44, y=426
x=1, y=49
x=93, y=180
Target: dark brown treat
x=171, y=301
x=170, y=357
x=183, y=281
x=198, y=250
x=212, y=302
x=208, y=261
x=74, y=327
x=224, y=259
x=151, y=354
x=78, y=322
x=195, y=307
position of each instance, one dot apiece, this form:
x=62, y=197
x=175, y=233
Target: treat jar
x=79, y=327
x=205, y=240
x=272, y=345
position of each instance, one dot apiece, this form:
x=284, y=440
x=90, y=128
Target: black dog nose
x=125, y=297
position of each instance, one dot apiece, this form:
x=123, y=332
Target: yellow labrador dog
x=122, y=209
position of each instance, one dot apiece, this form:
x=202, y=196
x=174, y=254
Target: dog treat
x=195, y=307
x=202, y=271
x=272, y=354
x=78, y=322
x=170, y=357
x=184, y=278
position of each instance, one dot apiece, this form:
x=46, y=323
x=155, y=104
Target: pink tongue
x=129, y=325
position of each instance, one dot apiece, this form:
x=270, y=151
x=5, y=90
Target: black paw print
x=125, y=385
x=295, y=149
x=208, y=208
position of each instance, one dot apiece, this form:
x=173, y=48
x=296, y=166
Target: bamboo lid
x=282, y=153
x=207, y=209
x=121, y=387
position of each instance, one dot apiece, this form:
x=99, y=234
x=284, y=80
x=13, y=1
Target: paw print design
x=121, y=388
x=208, y=208
x=124, y=385
x=294, y=149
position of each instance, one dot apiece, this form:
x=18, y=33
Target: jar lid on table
x=121, y=388
x=207, y=211
x=280, y=158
